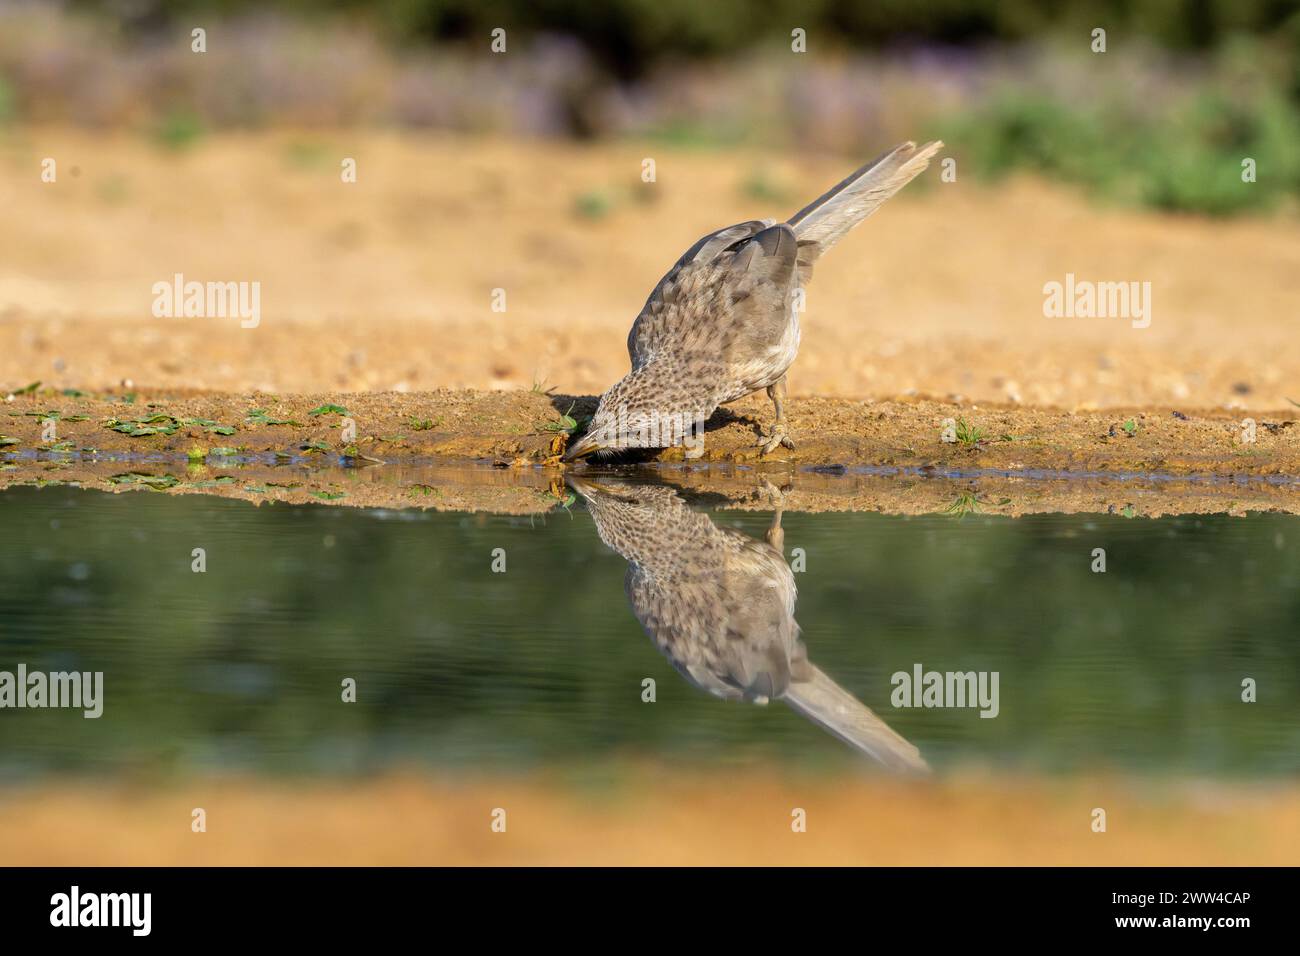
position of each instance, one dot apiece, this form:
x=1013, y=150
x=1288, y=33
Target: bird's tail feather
x=828, y=217
x=827, y=704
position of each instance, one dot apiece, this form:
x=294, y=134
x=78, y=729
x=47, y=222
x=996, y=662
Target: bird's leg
x=778, y=436
x=775, y=533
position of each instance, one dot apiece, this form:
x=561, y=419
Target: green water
x=1139, y=668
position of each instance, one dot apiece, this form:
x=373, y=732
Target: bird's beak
x=584, y=446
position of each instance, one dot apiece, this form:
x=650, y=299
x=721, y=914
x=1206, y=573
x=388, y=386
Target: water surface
x=1138, y=668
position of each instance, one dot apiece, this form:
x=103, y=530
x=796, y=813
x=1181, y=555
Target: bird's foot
x=772, y=493
x=777, y=437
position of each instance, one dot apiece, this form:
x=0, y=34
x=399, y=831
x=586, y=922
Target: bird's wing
x=728, y=630
x=735, y=305
x=825, y=220
x=681, y=618
x=831, y=707
x=756, y=291
x=754, y=652
x=663, y=310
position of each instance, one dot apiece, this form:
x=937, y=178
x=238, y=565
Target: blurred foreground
x=653, y=816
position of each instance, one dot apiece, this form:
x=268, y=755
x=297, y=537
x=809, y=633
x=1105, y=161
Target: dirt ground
x=498, y=451
x=377, y=296
x=649, y=818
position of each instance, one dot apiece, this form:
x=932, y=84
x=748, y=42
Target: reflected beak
x=593, y=491
x=584, y=446
x=587, y=489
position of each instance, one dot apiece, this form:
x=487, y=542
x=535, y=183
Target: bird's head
x=650, y=407
x=648, y=524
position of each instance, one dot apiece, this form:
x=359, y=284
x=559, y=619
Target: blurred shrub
x=6, y=101
x=1197, y=162
x=593, y=204
x=1177, y=145
x=631, y=38
x=178, y=129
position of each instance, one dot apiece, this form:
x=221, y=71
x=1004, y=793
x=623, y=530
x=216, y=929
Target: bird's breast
x=766, y=367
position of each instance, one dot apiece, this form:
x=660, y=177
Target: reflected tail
x=831, y=707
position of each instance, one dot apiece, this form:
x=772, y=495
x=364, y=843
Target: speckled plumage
x=720, y=606
x=724, y=321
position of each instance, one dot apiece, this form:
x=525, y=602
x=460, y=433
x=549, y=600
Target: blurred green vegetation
x=631, y=37
x=1138, y=668
x=1182, y=150
x=179, y=129
x=1185, y=92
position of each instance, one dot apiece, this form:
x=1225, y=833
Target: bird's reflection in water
x=720, y=606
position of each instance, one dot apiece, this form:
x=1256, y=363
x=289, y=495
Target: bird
x=724, y=321
x=720, y=606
